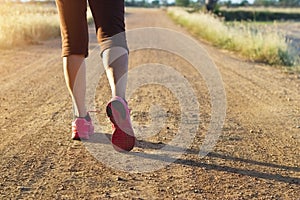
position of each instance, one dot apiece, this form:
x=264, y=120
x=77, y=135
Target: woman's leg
x=74, y=33
x=75, y=76
x=110, y=26
x=115, y=61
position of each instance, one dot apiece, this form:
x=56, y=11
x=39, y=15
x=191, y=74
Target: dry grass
x=21, y=24
x=264, y=46
x=28, y=23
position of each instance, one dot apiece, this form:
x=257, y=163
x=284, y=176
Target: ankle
x=86, y=117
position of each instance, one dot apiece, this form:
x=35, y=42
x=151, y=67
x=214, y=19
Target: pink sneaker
x=123, y=138
x=82, y=129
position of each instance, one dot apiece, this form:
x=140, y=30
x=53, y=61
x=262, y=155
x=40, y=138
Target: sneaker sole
x=77, y=137
x=121, y=141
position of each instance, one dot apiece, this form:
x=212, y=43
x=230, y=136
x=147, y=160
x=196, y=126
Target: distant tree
x=164, y=2
x=182, y=3
x=155, y=3
x=211, y=4
x=228, y=3
x=244, y=3
x=289, y=3
x=137, y=3
x=265, y=2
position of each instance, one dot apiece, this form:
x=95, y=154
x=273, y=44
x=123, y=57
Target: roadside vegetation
x=257, y=44
x=20, y=24
x=28, y=23
x=258, y=13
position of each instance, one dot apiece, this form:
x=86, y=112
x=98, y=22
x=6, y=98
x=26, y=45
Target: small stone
x=120, y=179
x=61, y=187
x=196, y=191
x=24, y=189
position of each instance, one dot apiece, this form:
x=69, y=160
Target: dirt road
x=256, y=157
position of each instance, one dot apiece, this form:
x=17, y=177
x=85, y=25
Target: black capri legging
x=109, y=21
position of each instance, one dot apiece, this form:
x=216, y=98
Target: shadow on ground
x=201, y=163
